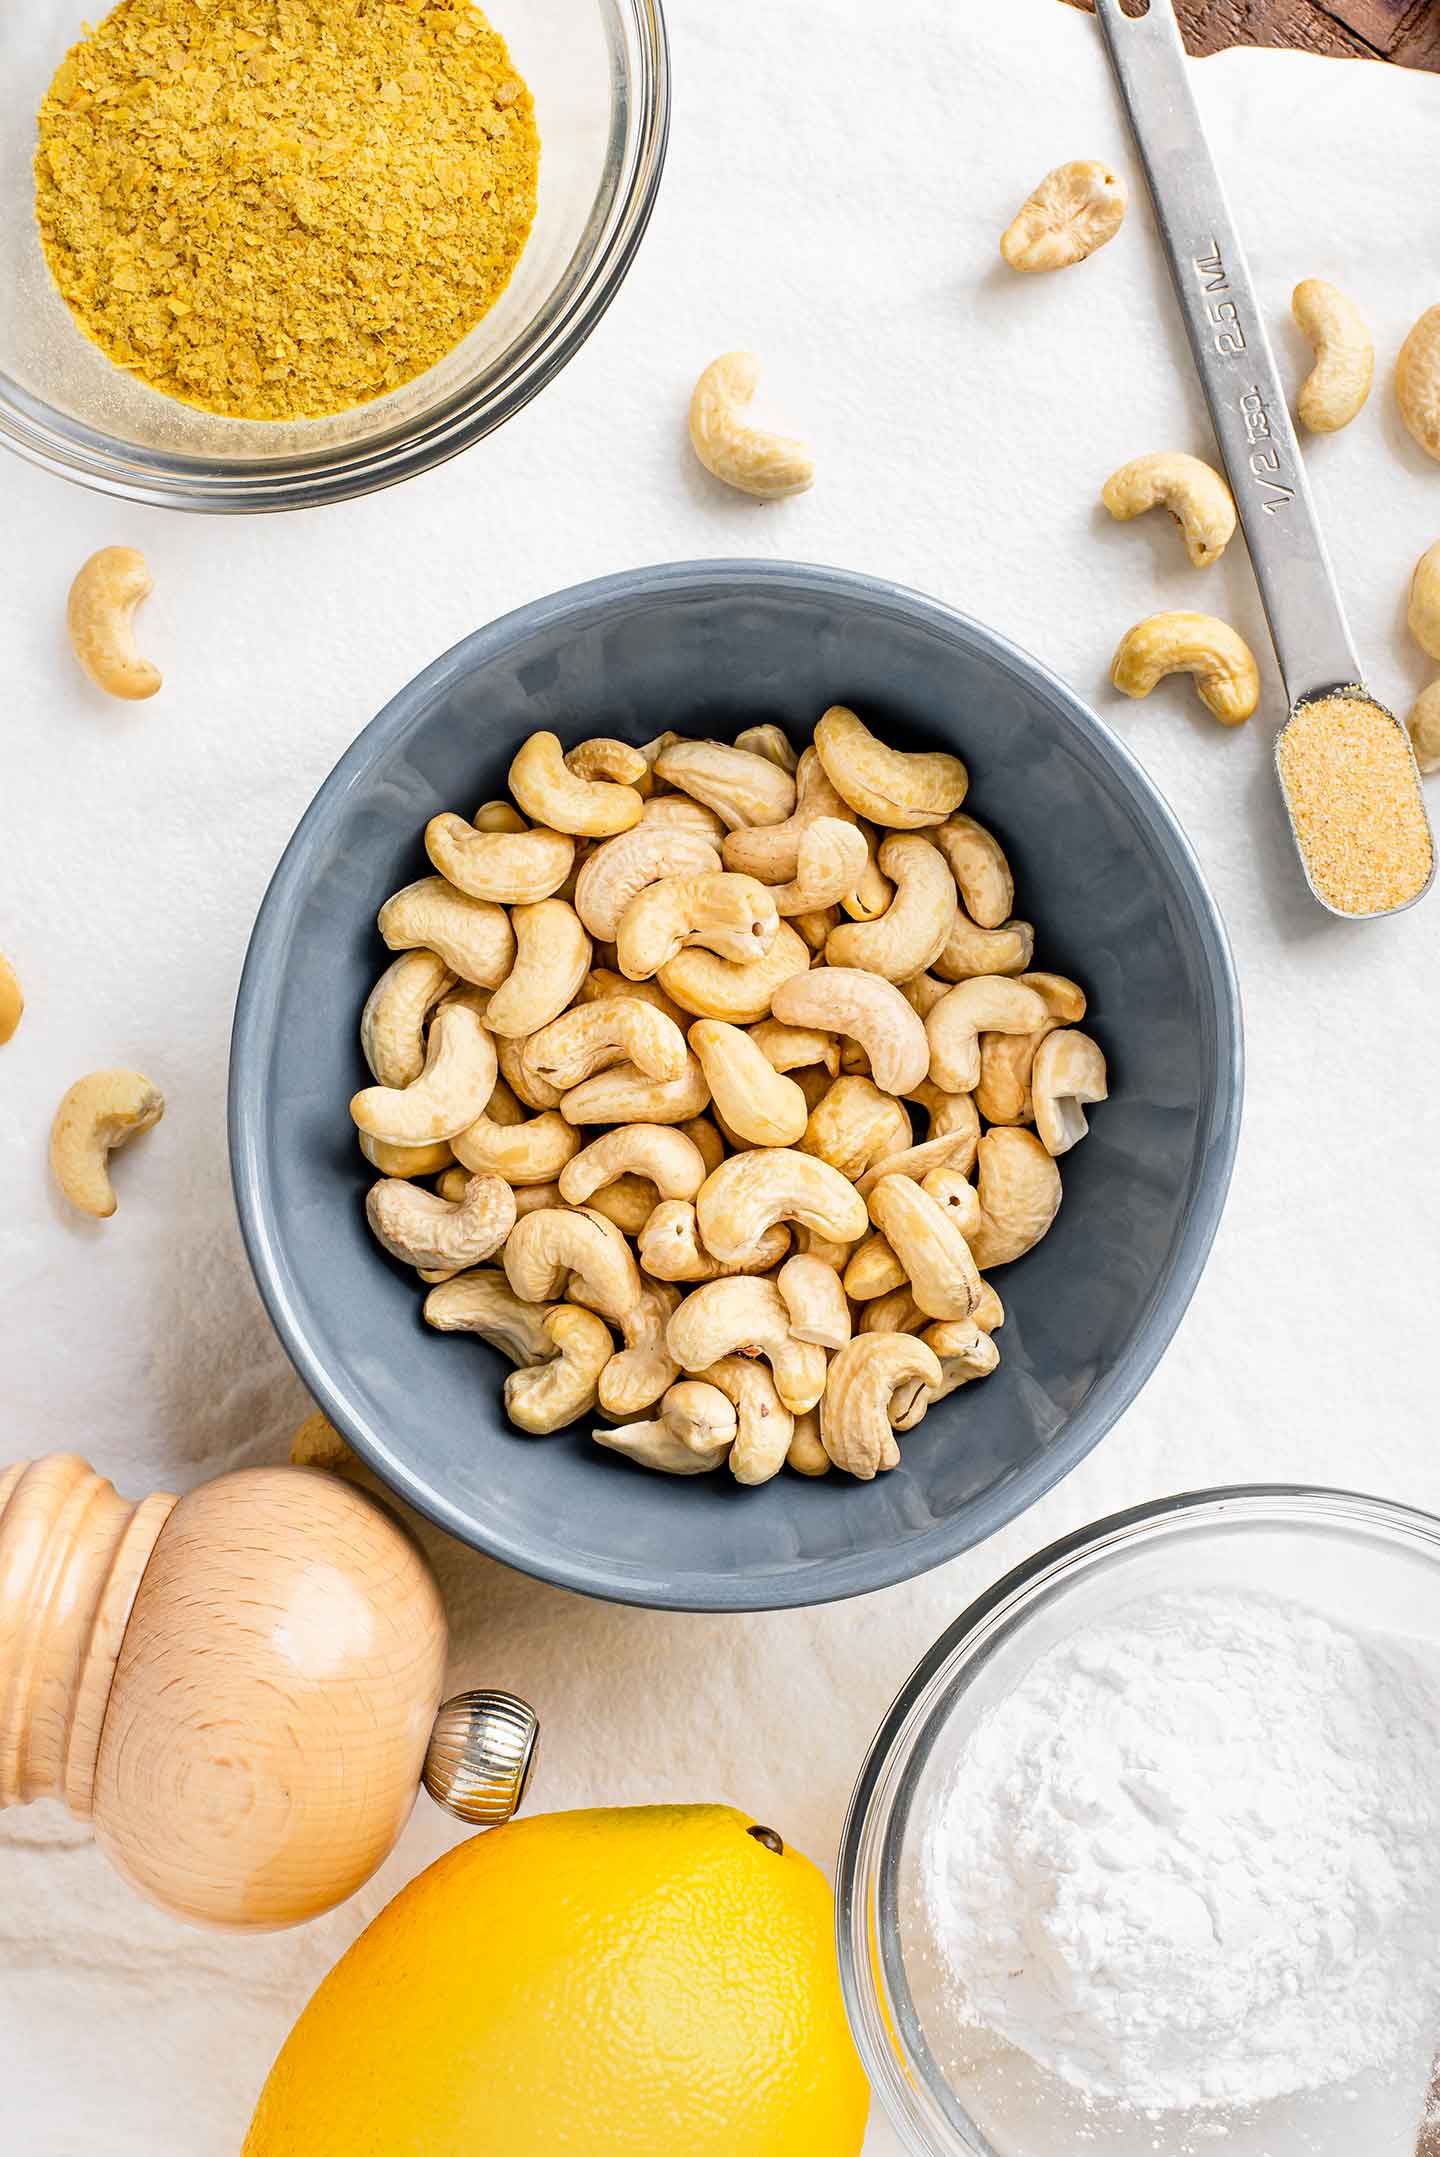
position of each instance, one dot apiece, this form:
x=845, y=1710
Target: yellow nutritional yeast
x=279, y=208
x=1347, y=772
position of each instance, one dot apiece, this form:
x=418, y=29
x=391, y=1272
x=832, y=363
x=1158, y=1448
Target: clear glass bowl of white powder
x=1145, y=1861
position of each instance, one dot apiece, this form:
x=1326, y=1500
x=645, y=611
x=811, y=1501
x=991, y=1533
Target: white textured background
x=838, y=176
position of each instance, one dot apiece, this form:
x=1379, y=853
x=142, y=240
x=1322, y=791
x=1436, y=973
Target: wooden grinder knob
x=239, y=1687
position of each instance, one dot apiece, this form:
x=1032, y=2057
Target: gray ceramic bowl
x=1117, y=900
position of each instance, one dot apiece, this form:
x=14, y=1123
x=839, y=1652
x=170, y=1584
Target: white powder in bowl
x=1194, y=1858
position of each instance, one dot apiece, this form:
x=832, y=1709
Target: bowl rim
x=916, y=2102
x=853, y=1572
x=308, y=479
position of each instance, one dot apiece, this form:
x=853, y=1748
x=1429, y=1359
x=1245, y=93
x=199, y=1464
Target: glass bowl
x=953, y=2092
x=600, y=77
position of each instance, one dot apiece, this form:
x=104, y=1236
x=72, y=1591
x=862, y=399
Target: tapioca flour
x=1194, y=1858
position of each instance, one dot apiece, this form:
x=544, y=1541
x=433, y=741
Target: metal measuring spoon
x=1360, y=815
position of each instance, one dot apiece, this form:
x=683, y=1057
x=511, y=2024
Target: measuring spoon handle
x=1232, y=352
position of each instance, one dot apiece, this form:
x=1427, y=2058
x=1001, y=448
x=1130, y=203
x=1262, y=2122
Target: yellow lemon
x=653, y=1981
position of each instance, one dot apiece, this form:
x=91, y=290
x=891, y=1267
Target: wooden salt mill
x=240, y=1687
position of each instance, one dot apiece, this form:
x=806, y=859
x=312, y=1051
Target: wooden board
x=1405, y=31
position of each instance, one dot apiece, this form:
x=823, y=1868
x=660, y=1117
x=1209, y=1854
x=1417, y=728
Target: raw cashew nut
x=741, y=787
x=1424, y=724
x=483, y=1302
x=815, y=1300
x=645, y=1367
x=670, y=1248
x=988, y=1003
x=498, y=816
x=806, y=1455
x=579, y=1253
x=951, y=1113
x=854, y=1124
x=392, y=1025
x=795, y=1048
x=451, y=1091
x=693, y=1432
x=552, y=958
x=1339, y=382
x=592, y=1037
x=978, y=865
x=423, y=1230
x=716, y=988
x=765, y=1426
x=1074, y=210
x=926, y=1239
x=772, y=851
x=845, y=1000
x=896, y=1313
x=472, y=936
x=1069, y=1070
x=733, y=916
x=526, y=1086
x=101, y=617
x=626, y=1095
x=973, y=950
x=747, y=1316
x=765, y=1108
x=889, y=786
x=513, y=868
x=603, y=757
x=1423, y=610
x=552, y=794
x=770, y=466
x=752, y=1191
x=12, y=1000
x=932, y=1154
x=1226, y=676
x=874, y=1271
x=915, y=928
x=1193, y=492
x=406, y=1161
x=672, y=1162
x=677, y=812
x=534, y=1151
x=553, y=1392
x=854, y=1414
x=1417, y=381
x=104, y=1110
x=1019, y=1188
x=834, y=855
x=620, y=869
x=965, y=1352
x=769, y=740
x=629, y=1202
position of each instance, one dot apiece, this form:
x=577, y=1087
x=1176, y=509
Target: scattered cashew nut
x=1424, y=724
x=1227, y=679
x=1339, y=382
x=12, y=999
x=1193, y=492
x=770, y=466
x=103, y=598
x=104, y=1110
x=1417, y=381
x=1075, y=209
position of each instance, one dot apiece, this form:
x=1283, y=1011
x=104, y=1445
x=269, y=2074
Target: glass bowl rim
x=640, y=125
x=901, y=2081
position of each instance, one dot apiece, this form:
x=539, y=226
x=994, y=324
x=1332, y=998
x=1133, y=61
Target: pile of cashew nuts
x=651, y=1044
